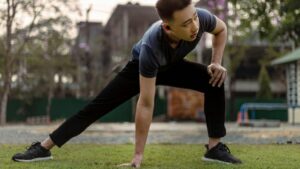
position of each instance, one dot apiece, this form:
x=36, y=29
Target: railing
x=243, y=117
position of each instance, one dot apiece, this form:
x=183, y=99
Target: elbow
x=223, y=30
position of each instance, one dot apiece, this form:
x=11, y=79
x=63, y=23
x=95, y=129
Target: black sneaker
x=220, y=153
x=34, y=153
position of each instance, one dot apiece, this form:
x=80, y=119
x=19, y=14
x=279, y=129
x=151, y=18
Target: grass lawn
x=162, y=156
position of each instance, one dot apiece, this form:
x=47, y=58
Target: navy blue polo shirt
x=153, y=51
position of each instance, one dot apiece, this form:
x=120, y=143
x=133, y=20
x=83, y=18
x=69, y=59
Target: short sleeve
x=148, y=65
x=207, y=20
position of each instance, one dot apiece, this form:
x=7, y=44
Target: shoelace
x=33, y=146
x=225, y=148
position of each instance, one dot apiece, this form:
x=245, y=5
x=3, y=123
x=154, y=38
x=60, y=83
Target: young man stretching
x=158, y=59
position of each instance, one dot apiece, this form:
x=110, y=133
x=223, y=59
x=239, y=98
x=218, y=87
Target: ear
x=166, y=27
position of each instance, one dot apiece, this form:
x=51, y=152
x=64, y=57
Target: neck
x=172, y=40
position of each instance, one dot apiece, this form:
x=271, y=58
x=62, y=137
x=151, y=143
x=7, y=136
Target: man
x=158, y=59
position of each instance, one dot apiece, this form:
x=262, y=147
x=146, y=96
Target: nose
x=195, y=26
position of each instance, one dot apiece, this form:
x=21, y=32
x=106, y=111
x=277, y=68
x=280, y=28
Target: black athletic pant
x=125, y=85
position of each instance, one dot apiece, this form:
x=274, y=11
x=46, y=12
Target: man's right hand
x=137, y=161
x=218, y=74
x=143, y=117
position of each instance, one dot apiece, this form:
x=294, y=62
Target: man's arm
x=217, y=72
x=143, y=117
x=219, y=41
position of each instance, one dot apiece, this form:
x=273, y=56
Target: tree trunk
x=49, y=101
x=7, y=61
x=4, y=96
x=4, y=106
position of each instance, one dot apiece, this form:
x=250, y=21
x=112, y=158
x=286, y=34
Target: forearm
x=218, y=45
x=143, y=120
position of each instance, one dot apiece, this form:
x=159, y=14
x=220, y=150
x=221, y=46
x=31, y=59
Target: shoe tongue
x=37, y=143
x=34, y=145
x=223, y=147
x=220, y=144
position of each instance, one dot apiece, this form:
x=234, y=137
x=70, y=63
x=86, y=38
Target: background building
x=291, y=62
x=124, y=29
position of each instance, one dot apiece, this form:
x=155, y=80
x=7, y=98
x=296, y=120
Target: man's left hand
x=218, y=74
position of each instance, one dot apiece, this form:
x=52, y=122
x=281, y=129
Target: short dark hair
x=166, y=8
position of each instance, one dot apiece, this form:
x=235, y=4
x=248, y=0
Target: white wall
x=297, y=115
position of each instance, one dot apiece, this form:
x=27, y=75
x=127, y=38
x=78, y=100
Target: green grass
x=162, y=156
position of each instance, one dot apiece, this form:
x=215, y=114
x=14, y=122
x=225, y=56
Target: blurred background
x=55, y=56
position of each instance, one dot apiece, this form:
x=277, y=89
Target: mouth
x=193, y=36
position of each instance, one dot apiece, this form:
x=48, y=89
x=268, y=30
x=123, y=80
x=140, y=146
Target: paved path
x=172, y=132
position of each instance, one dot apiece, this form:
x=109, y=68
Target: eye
x=195, y=17
x=185, y=25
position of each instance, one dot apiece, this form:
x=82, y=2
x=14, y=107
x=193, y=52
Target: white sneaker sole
x=35, y=159
x=214, y=161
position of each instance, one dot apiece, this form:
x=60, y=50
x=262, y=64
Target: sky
x=102, y=9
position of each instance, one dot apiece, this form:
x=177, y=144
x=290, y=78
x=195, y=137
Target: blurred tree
x=23, y=20
x=50, y=66
x=264, y=84
x=261, y=22
x=273, y=20
x=90, y=60
x=235, y=51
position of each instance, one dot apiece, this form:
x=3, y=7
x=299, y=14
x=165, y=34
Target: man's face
x=185, y=23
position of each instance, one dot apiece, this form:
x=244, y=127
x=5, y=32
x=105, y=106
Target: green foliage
x=272, y=19
x=289, y=29
x=95, y=156
x=49, y=57
x=40, y=45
